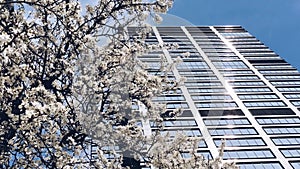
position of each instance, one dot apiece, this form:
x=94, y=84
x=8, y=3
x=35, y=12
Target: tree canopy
x=70, y=80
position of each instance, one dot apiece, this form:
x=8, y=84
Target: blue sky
x=274, y=22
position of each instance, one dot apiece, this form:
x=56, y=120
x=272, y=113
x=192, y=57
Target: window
x=205, y=154
x=230, y=65
x=288, y=89
x=286, y=83
x=292, y=96
x=247, y=83
x=149, y=60
x=284, y=120
x=254, y=50
x=296, y=103
x=197, y=73
x=264, y=104
x=262, y=53
x=149, y=57
x=202, y=33
x=192, y=65
x=246, y=154
x=186, y=155
x=209, y=42
x=274, y=111
x=283, y=130
x=253, y=89
x=188, y=132
x=207, y=90
x=264, y=57
x=185, y=113
x=182, y=39
x=254, y=60
x=286, y=141
x=178, y=123
x=291, y=153
x=224, y=122
x=177, y=91
x=269, y=165
x=217, y=54
x=153, y=65
x=241, y=77
x=236, y=34
x=177, y=105
x=274, y=67
x=211, y=97
x=199, y=78
x=169, y=98
x=295, y=164
x=206, y=73
x=283, y=77
x=229, y=72
x=277, y=71
x=248, y=40
x=181, y=50
x=215, y=105
x=194, y=55
x=249, y=142
x=201, y=84
x=257, y=96
x=249, y=45
x=223, y=57
x=233, y=131
x=223, y=112
x=202, y=144
x=236, y=43
x=216, y=50
x=151, y=41
x=158, y=73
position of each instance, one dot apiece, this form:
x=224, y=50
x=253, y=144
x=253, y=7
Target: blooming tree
x=69, y=81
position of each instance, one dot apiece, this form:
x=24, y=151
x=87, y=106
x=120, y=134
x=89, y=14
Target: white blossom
x=158, y=19
x=4, y=38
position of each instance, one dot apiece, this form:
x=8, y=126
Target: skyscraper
x=236, y=89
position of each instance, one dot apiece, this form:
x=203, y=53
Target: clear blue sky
x=274, y=22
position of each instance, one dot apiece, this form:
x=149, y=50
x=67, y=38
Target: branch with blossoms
x=69, y=79
x=42, y=42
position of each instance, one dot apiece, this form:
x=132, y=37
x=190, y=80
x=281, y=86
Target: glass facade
x=236, y=89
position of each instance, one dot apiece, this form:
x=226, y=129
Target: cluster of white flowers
x=60, y=86
x=4, y=38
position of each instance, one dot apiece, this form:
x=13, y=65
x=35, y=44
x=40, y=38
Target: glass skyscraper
x=236, y=89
